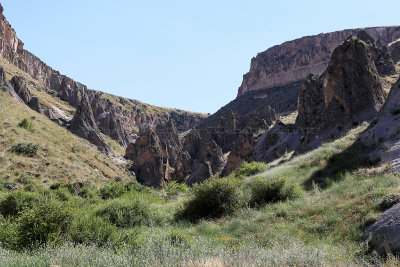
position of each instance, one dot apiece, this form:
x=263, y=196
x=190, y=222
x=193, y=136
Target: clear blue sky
x=183, y=54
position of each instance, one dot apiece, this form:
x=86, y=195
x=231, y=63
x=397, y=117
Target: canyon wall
x=133, y=115
x=293, y=60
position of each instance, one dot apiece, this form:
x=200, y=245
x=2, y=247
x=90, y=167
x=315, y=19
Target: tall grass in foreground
x=166, y=252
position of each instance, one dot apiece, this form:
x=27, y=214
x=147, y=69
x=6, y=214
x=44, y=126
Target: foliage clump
x=126, y=212
x=46, y=222
x=266, y=190
x=249, y=168
x=27, y=149
x=27, y=124
x=213, y=199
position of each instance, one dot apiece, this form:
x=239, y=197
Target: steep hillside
x=61, y=156
x=132, y=114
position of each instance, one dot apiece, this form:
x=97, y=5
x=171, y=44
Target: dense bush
x=127, y=212
x=28, y=149
x=113, y=190
x=213, y=199
x=44, y=223
x=173, y=188
x=16, y=201
x=265, y=190
x=249, y=168
x=134, y=186
x=27, y=124
x=87, y=228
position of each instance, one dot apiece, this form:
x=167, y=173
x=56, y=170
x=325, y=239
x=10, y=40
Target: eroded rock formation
x=84, y=125
x=148, y=161
x=294, y=60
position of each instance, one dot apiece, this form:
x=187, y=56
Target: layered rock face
x=294, y=60
x=119, y=120
x=148, y=161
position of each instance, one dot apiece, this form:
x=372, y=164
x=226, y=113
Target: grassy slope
x=61, y=156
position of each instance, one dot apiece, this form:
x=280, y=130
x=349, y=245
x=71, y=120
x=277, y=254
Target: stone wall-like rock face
x=294, y=60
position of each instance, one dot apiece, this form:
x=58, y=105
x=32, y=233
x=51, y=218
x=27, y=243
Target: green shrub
x=127, y=212
x=249, y=169
x=87, y=228
x=28, y=149
x=173, y=188
x=62, y=194
x=87, y=193
x=47, y=222
x=16, y=201
x=265, y=190
x=213, y=199
x=27, y=124
x=112, y=190
x=8, y=234
x=134, y=186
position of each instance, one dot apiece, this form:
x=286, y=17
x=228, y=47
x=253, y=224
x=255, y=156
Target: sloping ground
x=61, y=155
x=322, y=227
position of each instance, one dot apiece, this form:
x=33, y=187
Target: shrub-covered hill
x=58, y=155
x=310, y=211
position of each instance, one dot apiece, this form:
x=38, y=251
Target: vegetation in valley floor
x=259, y=216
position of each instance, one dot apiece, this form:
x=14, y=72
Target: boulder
x=84, y=125
x=148, y=163
x=384, y=234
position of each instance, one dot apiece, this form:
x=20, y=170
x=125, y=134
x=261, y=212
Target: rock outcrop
x=294, y=60
x=84, y=125
x=201, y=158
x=169, y=138
x=394, y=49
x=383, y=136
x=148, y=161
x=348, y=91
x=379, y=53
x=243, y=150
x=19, y=85
x=384, y=234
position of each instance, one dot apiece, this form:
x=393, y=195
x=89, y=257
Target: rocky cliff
x=132, y=115
x=293, y=60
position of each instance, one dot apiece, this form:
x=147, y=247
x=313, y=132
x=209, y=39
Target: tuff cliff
x=120, y=118
x=293, y=60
